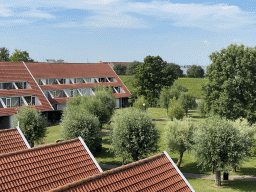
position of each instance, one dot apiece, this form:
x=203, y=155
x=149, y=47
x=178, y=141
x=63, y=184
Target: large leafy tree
x=152, y=75
x=176, y=68
x=230, y=91
x=195, y=72
x=132, y=68
x=32, y=123
x=120, y=69
x=134, y=135
x=220, y=144
x=179, y=136
x=19, y=55
x=4, y=54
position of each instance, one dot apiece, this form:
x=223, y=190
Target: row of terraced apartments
x=48, y=86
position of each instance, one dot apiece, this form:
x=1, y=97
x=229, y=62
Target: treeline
x=18, y=55
x=193, y=72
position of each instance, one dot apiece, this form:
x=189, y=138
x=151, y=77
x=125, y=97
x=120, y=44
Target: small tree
x=4, y=54
x=164, y=98
x=176, y=68
x=175, y=109
x=220, y=144
x=120, y=69
x=32, y=124
x=131, y=69
x=141, y=103
x=77, y=121
x=195, y=72
x=134, y=135
x=176, y=89
x=187, y=100
x=179, y=136
x=19, y=55
x=201, y=108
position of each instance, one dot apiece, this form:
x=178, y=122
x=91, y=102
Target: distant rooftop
x=54, y=61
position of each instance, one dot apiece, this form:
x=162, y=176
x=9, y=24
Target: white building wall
x=11, y=121
x=68, y=92
x=37, y=101
x=117, y=103
x=67, y=80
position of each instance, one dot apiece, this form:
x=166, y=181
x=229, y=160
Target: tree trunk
x=234, y=168
x=212, y=169
x=218, y=178
x=179, y=160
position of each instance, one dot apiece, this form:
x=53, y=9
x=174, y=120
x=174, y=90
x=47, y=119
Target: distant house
x=112, y=64
x=156, y=173
x=47, y=86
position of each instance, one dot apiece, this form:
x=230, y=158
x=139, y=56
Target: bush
x=179, y=136
x=133, y=135
x=32, y=124
x=176, y=110
x=76, y=122
x=201, y=108
x=187, y=100
x=139, y=103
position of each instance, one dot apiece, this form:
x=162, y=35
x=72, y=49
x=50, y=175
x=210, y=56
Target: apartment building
x=47, y=86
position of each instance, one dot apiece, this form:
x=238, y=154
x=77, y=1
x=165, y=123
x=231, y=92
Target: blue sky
x=182, y=32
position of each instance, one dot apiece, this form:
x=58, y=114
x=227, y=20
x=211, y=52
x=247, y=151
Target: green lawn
x=53, y=134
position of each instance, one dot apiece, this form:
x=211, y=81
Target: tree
x=230, y=91
x=176, y=68
x=19, y=55
x=201, y=108
x=152, y=75
x=187, y=100
x=179, y=136
x=132, y=68
x=195, y=72
x=176, y=89
x=32, y=124
x=77, y=121
x=4, y=54
x=176, y=110
x=134, y=135
x=119, y=69
x=141, y=103
x=220, y=144
x=164, y=98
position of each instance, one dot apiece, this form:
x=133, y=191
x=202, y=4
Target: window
x=8, y=86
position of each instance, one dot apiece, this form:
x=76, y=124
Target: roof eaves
x=178, y=170
x=23, y=137
x=89, y=152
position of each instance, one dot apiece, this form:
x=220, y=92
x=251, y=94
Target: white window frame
x=2, y=102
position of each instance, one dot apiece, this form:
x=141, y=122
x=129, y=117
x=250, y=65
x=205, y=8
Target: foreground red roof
x=17, y=71
x=46, y=167
x=12, y=140
x=156, y=173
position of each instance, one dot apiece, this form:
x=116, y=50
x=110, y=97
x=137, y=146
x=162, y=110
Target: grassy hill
x=192, y=84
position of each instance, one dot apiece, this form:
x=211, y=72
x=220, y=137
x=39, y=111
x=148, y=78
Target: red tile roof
x=156, y=173
x=75, y=70
x=12, y=140
x=46, y=167
x=16, y=71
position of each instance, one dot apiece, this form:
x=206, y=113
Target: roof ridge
x=7, y=130
x=39, y=147
x=106, y=173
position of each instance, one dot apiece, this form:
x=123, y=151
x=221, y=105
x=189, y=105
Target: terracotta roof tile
x=11, y=140
x=45, y=167
x=16, y=71
x=156, y=173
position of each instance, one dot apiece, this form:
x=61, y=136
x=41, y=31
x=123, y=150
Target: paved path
x=193, y=175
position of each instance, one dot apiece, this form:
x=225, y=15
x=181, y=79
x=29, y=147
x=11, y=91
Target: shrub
x=76, y=122
x=133, y=135
x=32, y=124
x=175, y=110
x=187, y=100
x=139, y=103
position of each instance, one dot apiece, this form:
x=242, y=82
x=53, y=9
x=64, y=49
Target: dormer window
x=14, y=85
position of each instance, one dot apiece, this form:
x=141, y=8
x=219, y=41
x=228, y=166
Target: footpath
x=187, y=175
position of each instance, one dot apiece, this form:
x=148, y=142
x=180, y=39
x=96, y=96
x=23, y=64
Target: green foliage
x=32, y=124
x=4, y=54
x=19, y=55
x=176, y=90
x=201, y=108
x=221, y=143
x=101, y=87
x=77, y=121
x=152, y=75
x=134, y=135
x=176, y=110
x=187, y=100
x=231, y=91
x=179, y=136
x=120, y=69
x=195, y=72
x=139, y=103
x=164, y=98
x=131, y=69
x=176, y=68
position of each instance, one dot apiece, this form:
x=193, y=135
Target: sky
x=81, y=31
